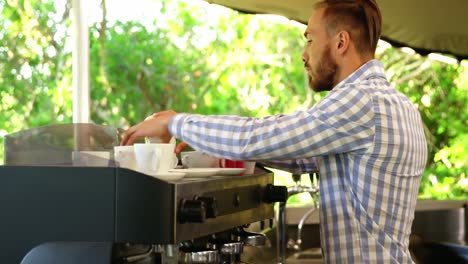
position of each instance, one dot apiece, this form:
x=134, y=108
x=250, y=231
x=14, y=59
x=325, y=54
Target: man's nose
x=305, y=57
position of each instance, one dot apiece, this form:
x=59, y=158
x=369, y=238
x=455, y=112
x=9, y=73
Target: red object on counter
x=233, y=164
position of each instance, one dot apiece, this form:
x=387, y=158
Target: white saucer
x=169, y=176
x=198, y=172
x=230, y=171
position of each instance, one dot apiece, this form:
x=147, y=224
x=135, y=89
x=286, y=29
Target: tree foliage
x=191, y=59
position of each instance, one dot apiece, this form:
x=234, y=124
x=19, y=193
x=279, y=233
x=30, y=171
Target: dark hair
x=360, y=18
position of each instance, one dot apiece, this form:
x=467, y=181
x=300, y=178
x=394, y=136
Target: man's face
x=318, y=61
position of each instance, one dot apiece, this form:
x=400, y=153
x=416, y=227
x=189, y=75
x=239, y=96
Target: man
x=366, y=136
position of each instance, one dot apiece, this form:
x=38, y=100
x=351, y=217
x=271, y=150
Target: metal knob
x=192, y=211
x=296, y=177
x=275, y=194
x=211, y=205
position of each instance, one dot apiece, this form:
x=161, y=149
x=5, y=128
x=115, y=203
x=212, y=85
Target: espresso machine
x=55, y=211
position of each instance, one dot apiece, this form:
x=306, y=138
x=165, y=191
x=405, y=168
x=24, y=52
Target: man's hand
x=156, y=125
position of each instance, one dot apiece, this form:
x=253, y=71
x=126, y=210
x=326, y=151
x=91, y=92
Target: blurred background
x=191, y=56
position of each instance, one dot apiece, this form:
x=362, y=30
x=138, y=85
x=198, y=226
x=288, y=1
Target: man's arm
x=342, y=122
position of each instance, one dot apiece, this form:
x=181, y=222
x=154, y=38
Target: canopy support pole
x=81, y=98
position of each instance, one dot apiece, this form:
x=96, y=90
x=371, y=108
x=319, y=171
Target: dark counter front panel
x=41, y=204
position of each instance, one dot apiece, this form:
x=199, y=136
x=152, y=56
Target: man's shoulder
x=348, y=96
x=348, y=90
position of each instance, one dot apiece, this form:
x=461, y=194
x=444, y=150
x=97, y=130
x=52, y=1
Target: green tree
x=35, y=68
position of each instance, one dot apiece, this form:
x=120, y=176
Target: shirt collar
x=371, y=69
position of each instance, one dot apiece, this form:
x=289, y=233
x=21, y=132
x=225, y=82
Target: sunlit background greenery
x=190, y=56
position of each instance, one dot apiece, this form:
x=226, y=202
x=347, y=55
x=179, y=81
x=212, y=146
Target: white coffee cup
x=91, y=158
x=155, y=158
x=125, y=157
x=197, y=159
x=168, y=159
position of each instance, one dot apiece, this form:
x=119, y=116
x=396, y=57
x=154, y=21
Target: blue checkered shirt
x=368, y=141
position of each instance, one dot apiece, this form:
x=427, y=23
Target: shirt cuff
x=175, y=125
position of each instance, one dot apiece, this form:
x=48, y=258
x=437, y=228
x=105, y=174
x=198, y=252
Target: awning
x=424, y=25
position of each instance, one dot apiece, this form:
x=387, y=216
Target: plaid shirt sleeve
x=287, y=141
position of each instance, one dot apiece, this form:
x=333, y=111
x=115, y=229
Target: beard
x=323, y=77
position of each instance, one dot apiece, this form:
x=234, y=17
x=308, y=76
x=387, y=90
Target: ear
x=342, y=42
